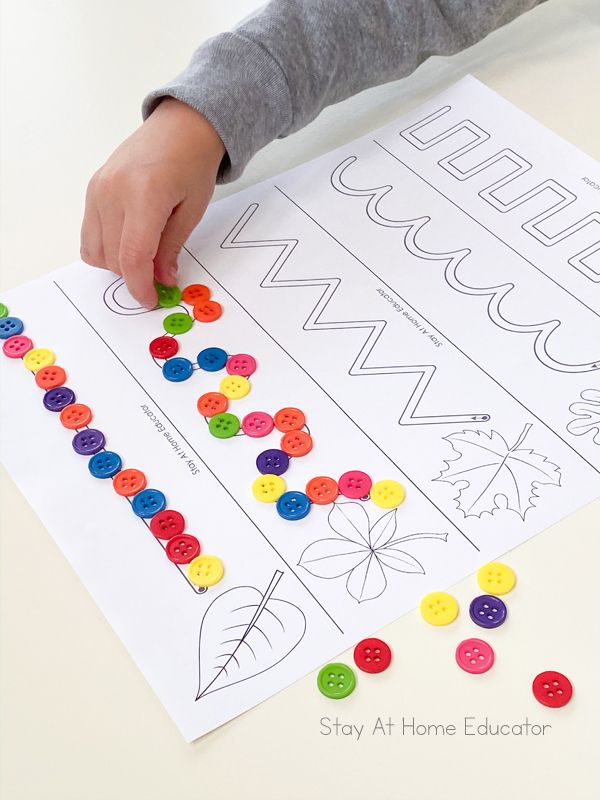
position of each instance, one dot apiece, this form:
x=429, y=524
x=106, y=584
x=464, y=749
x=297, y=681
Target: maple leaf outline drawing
x=362, y=552
x=487, y=468
x=587, y=415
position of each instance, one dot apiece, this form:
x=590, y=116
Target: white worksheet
x=429, y=297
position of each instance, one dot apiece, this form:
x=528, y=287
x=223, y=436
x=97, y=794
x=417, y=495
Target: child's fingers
x=111, y=219
x=140, y=237
x=179, y=226
x=91, y=249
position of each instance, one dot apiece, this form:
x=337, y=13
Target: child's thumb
x=179, y=226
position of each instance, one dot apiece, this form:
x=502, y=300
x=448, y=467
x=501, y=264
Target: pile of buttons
x=149, y=504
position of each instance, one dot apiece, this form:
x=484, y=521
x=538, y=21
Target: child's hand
x=144, y=202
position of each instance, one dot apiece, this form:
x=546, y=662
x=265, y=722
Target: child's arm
x=269, y=77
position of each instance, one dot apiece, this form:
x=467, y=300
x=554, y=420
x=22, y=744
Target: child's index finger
x=140, y=238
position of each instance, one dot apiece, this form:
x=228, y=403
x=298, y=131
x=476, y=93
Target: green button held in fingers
x=179, y=322
x=3, y=310
x=336, y=681
x=168, y=296
x=224, y=426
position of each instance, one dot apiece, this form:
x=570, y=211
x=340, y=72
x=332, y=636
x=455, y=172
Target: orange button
x=207, y=311
x=322, y=490
x=296, y=443
x=50, y=377
x=129, y=482
x=212, y=403
x=76, y=415
x=195, y=293
x=289, y=419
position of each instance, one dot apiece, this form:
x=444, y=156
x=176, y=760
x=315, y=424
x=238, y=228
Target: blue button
x=105, y=464
x=177, y=369
x=293, y=505
x=212, y=359
x=487, y=611
x=10, y=326
x=59, y=397
x=148, y=502
x=272, y=462
x=88, y=442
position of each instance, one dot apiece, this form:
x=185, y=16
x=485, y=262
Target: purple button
x=88, y=442
x=56, y=399
x=273, y=462
x=487, y=611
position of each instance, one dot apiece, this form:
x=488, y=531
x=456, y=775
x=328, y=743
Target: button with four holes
x=212, y=359
x=17, y=346
x=372, y=655
x=355, y=484
x=289, y=419
x=296, y=443
x=177, y=369
x=167, y=523
x=10, y=326
x=88, y=441
x=207, y=310
x=224, y=426
x=182, y=549
x=322, y=490
x=177, y=323
x=336, y=681
x=474, y=656
x=487, y=611
x=552, y=689
x=129, y=482
x=50, y=377
x=293, y=505
x=438, y=608
x=268, y=488
x=257, y=424
x=496, y=578
x=235, y=387
x=194, y=293
x=104, y=464
x=75, y=416
x=387, y=494
x=241, y=364
x=38, y=357
x=205, y=570
x=59, y=397
x=272, y=462
x=168, y=296
x=163, y=347
x=148, y=502
x=212, y=403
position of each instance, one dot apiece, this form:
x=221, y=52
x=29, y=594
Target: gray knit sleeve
x=280, y=67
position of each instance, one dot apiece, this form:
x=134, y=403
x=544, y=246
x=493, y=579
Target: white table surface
x=78, y=720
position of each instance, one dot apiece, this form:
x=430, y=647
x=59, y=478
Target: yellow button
x=268, y=488
x=205, y=570
x=387, y=494
x=37, y=358
x=234, y=387
x=496, y=578
x=439, y=608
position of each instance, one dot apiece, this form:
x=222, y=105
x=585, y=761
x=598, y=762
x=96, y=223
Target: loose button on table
x=88, y=441
x=487, y=611
x=322, y=490
x=207, y=311
x=104, y=464
x=3, y=310
x=552, y=689
x=75, y=416
x=50, y=377
x=257, y=424
x=289, y=419
x=59, y=397
x=177, y=369
x=182, y=549
x=163, y=347
x=439, y=608
x=234, y=387
x=167, y=523
x=474, y=656
x=129, y=482
x=224, y=426
x=268, y=488
x=17, y=346
x=212, y=403
x=205, y=571
x=194, y=293
x=178, y=323
x=212, y=359
x=37, y=358
x=387, y=494
x=10, y=326
x=293, y=505
x=241, y=364
x=168, y=296
x=355, y=484
x=273, y=462
x=372, y=655
x=296, y=443
x=496, y=578
x=336, y=681
x=148, y=502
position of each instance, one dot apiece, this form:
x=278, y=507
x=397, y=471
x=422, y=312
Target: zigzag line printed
x=542, y=330
x=553, y=194
x=375, y=328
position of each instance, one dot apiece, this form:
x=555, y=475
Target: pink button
x=355, y=484
x=17, y=346
x=475, y=656
x=257, y=424
x=241, y=364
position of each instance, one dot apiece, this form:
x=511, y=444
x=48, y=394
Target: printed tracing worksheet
x=429, y=297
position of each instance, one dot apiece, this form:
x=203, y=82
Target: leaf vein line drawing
x=586, y=415
x=375, y=328
x=542, y=331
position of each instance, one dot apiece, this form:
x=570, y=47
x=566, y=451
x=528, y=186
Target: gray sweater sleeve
x=280, y=67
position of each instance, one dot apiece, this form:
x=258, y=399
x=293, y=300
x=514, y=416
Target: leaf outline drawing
x=501, y=471
x=587, y=415
x=362, y=551
x=254, y=648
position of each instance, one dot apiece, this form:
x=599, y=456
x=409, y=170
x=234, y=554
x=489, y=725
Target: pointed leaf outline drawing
x=587, y=415
x=367, y=581
x=486, y=468
x=332, y=558
x=383, y=530
x=351, y=521
x=245, y=632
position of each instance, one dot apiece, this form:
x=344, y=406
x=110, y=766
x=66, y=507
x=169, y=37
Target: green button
x=177, y=323
x=224, y=426
x=336, y=680
x=3, y=310
x=168, y=296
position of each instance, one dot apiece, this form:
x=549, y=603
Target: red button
x=75, y=416
x=17, y=346
x=129, y=482
x=212, y=403
x=182, y=549
x=552, y=689
x=296, y=443
x=207, y=311
x=163, y=347
x=322, y=490
x=289, y=419
x=50, y=377
x=167, y=523
x=194, y=293
x=372, y=655
x=355, y=484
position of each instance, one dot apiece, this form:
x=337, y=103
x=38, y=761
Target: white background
x=78, y=719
